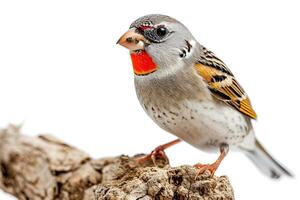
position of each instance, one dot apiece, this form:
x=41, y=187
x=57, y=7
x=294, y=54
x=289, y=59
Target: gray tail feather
x=266, y=163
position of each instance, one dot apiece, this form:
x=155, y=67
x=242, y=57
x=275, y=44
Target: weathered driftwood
x=46, y=168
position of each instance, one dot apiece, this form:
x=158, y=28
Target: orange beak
x=133, y=40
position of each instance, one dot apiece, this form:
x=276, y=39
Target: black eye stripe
x=156, y=34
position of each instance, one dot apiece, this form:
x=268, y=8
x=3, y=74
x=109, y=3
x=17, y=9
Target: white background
x=62, y=73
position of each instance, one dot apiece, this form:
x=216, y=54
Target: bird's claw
x=215, y=165
x=212, y=168
x=157, y=152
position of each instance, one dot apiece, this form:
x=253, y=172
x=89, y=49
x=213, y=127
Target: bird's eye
x=156, y=35
x=161, y=31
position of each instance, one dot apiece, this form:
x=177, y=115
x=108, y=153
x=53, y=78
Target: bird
x=191, y=93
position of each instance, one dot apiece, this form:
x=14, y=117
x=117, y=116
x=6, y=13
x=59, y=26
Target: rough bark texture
x=47, y=168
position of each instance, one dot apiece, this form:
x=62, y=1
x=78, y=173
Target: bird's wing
x=222, y=83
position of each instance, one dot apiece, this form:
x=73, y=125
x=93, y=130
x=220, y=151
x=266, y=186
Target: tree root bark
x=46, y=168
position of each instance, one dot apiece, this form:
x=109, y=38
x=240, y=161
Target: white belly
x=203, y=124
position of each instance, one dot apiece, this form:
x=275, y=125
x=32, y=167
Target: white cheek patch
x=141, y=44
x=188, y=50
x=192, y=47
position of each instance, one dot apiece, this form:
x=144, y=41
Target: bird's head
x=158, y=43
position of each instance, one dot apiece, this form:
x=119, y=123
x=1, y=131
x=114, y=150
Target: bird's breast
x=171, y=90
x=203, y=124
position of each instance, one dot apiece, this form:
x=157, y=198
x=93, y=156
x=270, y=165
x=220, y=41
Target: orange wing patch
x=225, y=88
x=246, y=108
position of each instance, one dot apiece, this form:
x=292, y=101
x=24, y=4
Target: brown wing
x=222, y=83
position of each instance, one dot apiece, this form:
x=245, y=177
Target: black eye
x=156, y=35
x=161, y=31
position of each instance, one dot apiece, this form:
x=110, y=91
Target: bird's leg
x=160, y=150
x=224, y=148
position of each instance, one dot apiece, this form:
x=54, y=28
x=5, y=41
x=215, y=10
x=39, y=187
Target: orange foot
x=158, y=152
x=203, y=167
x=215, y=165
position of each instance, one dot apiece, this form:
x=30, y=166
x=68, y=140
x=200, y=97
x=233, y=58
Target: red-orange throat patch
x=142, y=63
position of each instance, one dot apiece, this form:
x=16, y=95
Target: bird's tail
x=266, y=163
